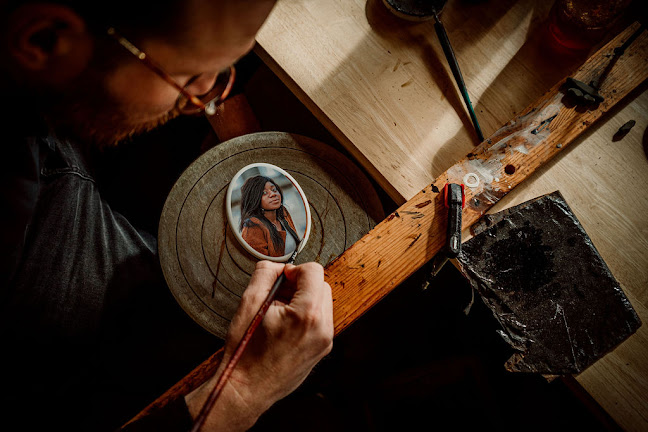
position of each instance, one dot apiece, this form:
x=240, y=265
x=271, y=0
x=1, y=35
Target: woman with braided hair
x=266, y=224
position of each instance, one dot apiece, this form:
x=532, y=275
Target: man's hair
x=131, y=17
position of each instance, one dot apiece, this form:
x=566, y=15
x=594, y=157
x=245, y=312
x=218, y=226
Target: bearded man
x=77, y=277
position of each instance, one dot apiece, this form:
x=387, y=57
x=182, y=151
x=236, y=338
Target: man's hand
x=295, y=334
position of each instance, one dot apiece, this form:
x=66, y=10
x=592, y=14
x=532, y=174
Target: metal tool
x=416, y=10
x=454, y=199
x=588, y=93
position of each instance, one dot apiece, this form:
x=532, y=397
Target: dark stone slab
x=558, y=303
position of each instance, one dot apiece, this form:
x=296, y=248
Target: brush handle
x=240, y=348
x=238, y=352
x=454, y=66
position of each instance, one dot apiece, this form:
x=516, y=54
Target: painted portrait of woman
x=266, y=224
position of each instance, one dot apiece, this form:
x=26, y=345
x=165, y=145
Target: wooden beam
x=413, y=234
x=408, y=238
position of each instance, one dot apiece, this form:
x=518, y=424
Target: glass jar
x=580, y=24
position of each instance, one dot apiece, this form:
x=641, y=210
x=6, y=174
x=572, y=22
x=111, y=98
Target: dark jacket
x=83, y=303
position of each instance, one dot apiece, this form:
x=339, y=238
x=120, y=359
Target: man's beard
x=87, y=113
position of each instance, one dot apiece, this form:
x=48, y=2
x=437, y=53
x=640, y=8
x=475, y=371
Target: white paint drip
x=521, y=148
x=529, y=139
x=488, y=170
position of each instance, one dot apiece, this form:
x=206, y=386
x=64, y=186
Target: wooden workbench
x=383, y=88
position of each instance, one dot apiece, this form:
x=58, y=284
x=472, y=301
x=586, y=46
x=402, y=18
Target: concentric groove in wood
x=207, y=271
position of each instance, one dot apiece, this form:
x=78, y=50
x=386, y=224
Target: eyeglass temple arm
x=144, y=59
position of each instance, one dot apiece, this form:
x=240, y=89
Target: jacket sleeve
x=255, y=236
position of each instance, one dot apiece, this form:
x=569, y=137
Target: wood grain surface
x=383, y=88
x=205, y=266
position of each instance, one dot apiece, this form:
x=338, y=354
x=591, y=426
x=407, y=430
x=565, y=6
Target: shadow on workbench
x=417, y=362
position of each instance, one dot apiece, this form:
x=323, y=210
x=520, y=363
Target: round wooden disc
x=206, y=268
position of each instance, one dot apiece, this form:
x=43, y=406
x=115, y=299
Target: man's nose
x=202, y=84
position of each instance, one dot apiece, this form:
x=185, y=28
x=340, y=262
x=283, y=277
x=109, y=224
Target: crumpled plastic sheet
x=538, y=271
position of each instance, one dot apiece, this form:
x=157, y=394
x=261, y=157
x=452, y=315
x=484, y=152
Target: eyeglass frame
x=209, y=107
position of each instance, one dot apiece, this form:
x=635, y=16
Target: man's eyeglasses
x=186, y=103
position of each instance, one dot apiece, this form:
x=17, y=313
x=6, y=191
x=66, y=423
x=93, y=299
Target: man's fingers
x=307, y=280
x=264, y=276
x=308, y=276
x=328, y=307
x=312, y=305
x=312, y=298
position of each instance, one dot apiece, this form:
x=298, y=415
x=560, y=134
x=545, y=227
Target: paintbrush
x=240, y=348
x=417, y=10
x=454, y=66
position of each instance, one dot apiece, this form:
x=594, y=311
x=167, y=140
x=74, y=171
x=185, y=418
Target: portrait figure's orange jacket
x=257, y=235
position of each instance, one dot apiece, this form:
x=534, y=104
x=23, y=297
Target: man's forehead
x=213, y=32
x=231, y=18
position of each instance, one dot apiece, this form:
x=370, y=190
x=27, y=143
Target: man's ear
x=48, y=41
